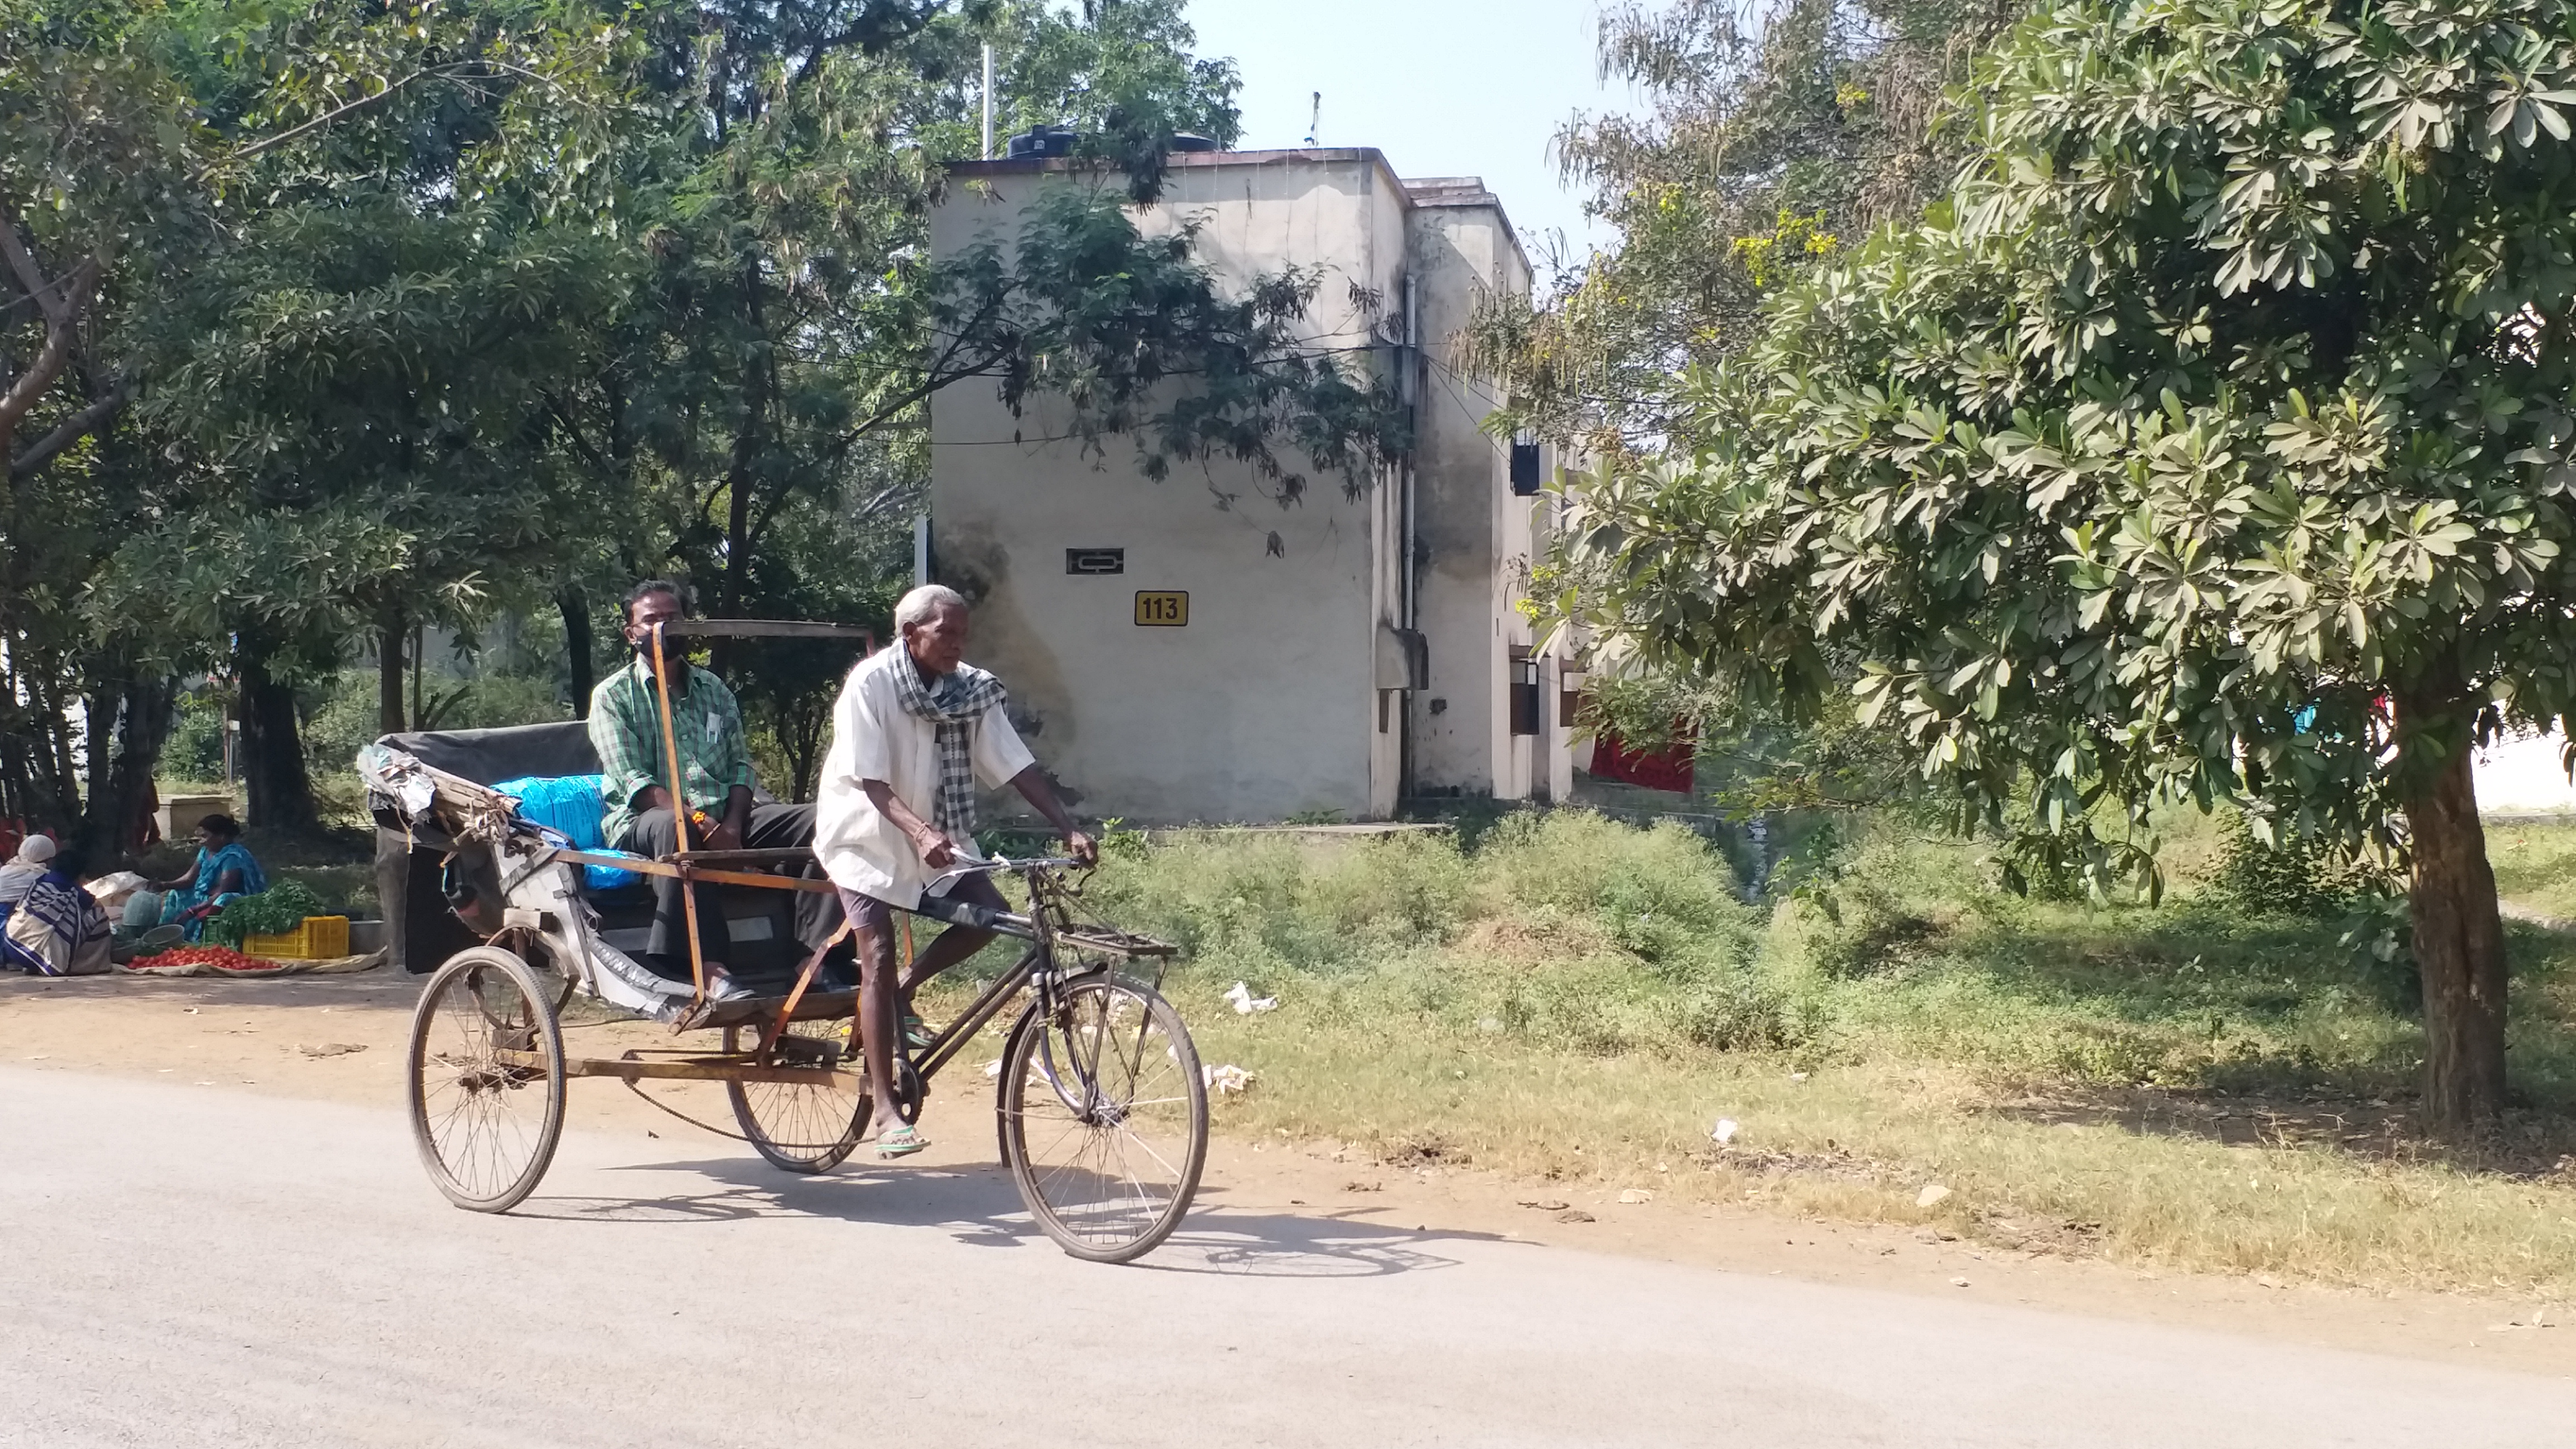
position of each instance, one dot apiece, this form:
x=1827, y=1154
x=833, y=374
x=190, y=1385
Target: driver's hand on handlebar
x=936, y=850
x=1082, y=847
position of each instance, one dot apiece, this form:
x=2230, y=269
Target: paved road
x=189, y=1267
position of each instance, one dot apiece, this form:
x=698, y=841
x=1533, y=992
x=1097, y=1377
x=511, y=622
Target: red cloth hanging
x=1665, y=769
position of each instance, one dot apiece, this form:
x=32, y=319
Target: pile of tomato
x=222, y=958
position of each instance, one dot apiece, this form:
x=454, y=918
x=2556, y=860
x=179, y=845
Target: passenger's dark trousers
x=772, y=827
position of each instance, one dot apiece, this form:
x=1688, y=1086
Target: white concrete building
x=1189, y=650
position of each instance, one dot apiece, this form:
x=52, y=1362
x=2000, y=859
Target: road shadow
x=979, y=1206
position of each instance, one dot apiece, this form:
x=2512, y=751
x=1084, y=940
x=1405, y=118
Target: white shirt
x=875, y=738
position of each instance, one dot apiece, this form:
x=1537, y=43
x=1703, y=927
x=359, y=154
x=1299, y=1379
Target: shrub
x=1560, y=929
x=2297, y=876
x=195, y=749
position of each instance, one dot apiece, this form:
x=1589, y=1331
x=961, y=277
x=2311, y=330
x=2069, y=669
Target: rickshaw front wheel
x=1104, y=1118
x=486, y=1086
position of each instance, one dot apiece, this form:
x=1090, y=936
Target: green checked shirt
x=626, y=733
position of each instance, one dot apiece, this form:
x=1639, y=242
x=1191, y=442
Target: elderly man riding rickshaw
x=915, y=731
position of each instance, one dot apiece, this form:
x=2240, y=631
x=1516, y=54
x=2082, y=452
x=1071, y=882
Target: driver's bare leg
x=880, y=1006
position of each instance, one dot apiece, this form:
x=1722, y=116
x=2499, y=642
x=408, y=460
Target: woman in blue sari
x=224, y=869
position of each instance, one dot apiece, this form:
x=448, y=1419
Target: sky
x=1443, y=87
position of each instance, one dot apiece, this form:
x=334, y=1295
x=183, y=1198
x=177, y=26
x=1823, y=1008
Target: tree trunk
x=575, y=608
x=122, y=795
x=2459, y=934
x=98, y=713
x=390, y=632
x=281, y=793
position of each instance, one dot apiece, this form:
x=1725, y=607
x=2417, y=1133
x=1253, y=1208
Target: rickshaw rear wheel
x=1104, y=1118
x=800, y=1127
x=486, y=1079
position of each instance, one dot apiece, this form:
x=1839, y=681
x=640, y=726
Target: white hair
x=917, y=607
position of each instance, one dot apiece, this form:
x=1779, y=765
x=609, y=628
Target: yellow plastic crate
x=317, y=938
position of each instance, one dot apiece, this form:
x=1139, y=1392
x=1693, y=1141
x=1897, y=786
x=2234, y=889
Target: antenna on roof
x=1315, y=122
x=988, y=100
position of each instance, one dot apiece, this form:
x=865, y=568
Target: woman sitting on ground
x=224, y=870
x=34, y=858
x=58, y=930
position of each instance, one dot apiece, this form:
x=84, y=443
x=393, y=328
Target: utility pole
x=988, y=100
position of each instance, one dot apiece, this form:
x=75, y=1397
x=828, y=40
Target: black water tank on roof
x=1042, y=142
x=1192, y=142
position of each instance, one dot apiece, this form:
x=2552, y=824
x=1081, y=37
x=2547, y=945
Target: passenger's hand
x=936, y=851
x=1082, y=848
x=723, y=837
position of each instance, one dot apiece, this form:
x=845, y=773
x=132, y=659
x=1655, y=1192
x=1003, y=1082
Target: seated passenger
x=58, y=928
x=915, y=729
x=224, y=870
x=715, y=776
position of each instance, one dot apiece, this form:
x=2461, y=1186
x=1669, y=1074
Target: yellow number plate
x=1162, y=610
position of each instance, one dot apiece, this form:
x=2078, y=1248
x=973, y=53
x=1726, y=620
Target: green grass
x=2535, y=866
x=2189, y=1083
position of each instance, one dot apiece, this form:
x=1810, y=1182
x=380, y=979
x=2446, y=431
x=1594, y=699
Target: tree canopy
x=2209, y=441
x=328, y=322
x=1769, y=137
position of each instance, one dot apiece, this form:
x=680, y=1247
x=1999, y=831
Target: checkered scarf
x=962, y=696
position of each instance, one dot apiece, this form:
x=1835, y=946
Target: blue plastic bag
x=571, y=806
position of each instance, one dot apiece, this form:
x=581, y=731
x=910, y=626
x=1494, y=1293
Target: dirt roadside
x=291, y=1037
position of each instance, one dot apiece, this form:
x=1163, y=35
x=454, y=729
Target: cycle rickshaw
x=1101, y=1104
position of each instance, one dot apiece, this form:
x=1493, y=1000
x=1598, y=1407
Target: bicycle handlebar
x=1004, y=862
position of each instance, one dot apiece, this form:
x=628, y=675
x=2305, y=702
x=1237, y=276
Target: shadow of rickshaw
x=978, y=1206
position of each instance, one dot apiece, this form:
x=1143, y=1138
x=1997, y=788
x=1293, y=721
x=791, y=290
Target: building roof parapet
x=1191, y=160
x=1421, y=192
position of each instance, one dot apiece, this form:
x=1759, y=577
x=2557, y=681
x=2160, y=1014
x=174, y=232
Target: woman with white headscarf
x=35, y=856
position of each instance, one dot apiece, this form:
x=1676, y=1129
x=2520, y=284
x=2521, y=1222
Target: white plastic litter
x=1931, y=1196
x=1227, y=1078
x=1633, y=1195
x=1245, y=1003
x=993, y=1068
x=1723, y=1132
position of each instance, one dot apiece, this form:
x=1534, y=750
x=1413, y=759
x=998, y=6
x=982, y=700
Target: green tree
x=2225, y=399
x=343, y=380
x=769, y=374
x=150, y=156
x=97, y=199
x=1768, y=136
x=783, y=330
x=1120, y=74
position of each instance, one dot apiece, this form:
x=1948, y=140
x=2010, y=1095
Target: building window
x=1525, y=469
x=1529, y=706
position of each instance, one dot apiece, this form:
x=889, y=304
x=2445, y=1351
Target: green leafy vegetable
x=273, y=912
